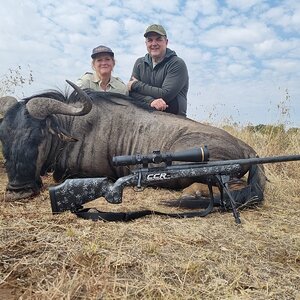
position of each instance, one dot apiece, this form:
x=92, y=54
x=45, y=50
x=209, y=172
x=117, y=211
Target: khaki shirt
x=92, y=81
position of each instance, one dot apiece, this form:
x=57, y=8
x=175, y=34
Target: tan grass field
x=62, y=257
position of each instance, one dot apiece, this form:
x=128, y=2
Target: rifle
x=154, y=169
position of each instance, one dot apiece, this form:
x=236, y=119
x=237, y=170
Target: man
x=160, y=77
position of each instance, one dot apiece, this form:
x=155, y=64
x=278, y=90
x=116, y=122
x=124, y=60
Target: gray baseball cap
x=102, y=49
x=157, y=29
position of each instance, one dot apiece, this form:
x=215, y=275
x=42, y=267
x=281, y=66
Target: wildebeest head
x=26, y=133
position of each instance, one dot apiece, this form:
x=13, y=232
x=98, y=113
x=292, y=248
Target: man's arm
x=135, y=76
x=158, y=103
x=141, y=97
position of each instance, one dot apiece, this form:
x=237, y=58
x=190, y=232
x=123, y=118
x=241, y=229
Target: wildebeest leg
x=197, y=189
x=197, y=195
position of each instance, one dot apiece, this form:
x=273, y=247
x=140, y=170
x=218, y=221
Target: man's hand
x=159, y=104
x=129, y=84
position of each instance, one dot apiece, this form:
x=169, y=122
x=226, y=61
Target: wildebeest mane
x=66, y=97
x=110, y=95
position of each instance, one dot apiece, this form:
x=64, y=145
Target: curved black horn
x=42, y=107
x=87, y=103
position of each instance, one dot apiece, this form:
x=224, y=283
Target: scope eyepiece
x=200, y=154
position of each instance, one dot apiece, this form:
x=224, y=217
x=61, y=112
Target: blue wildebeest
x=77, y=136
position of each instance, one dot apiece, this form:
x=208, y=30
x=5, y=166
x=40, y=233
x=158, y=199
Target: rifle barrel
x=257, y=160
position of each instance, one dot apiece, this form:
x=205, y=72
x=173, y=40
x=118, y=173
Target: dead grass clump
x=64, y=257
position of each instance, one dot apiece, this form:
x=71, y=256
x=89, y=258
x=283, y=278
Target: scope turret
x=200, y=154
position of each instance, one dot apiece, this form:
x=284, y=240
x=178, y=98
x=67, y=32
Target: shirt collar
x=113, y=81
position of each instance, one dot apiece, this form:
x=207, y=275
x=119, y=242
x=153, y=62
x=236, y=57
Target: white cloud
x=238, y=54
x=148, y=8
x=286, y=66
x=108, y=30
x=275, y=47
x=208, y=21
x=226, y=36
x=286, y=15
x=239, y=70
x=242, y=5
x=194, y=8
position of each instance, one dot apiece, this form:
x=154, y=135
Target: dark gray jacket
x=168, y=80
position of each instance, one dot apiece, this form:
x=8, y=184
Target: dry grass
x=63, y=257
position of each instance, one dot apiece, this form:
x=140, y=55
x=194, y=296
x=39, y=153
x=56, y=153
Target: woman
x=103, y=62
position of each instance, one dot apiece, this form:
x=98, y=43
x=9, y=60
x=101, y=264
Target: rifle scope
x=192, y=155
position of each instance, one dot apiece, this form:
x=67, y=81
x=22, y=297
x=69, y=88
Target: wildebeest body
x=122, y=128
x=115, y=125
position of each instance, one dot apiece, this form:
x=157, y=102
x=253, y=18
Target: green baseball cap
x=155, y=28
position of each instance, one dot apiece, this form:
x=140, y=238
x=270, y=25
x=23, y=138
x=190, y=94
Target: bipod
x=222, y=182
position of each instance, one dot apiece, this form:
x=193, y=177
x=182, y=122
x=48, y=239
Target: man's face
x=156, y=45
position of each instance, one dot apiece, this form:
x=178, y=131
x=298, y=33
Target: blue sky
x=243, y=57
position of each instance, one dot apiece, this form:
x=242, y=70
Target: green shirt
x=92, y=81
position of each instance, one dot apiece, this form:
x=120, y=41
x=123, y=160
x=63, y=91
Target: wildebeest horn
x=6, y=103
x=41, y=107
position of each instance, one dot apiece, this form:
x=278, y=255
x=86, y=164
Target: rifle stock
x=73, y=193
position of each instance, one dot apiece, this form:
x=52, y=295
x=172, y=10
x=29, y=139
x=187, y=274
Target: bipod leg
x=223, y=186
x=210, y=189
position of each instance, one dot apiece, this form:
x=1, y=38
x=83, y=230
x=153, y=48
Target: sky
x=243, y=56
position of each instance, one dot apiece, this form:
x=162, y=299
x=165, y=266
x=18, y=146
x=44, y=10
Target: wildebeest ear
x=64, y=136
x=55, y=129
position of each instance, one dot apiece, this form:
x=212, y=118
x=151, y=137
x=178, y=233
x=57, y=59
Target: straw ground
x=62, y=257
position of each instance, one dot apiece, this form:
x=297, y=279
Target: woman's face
x=103, y=64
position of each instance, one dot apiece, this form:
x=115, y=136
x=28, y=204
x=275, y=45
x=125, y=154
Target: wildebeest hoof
x=16, y=196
